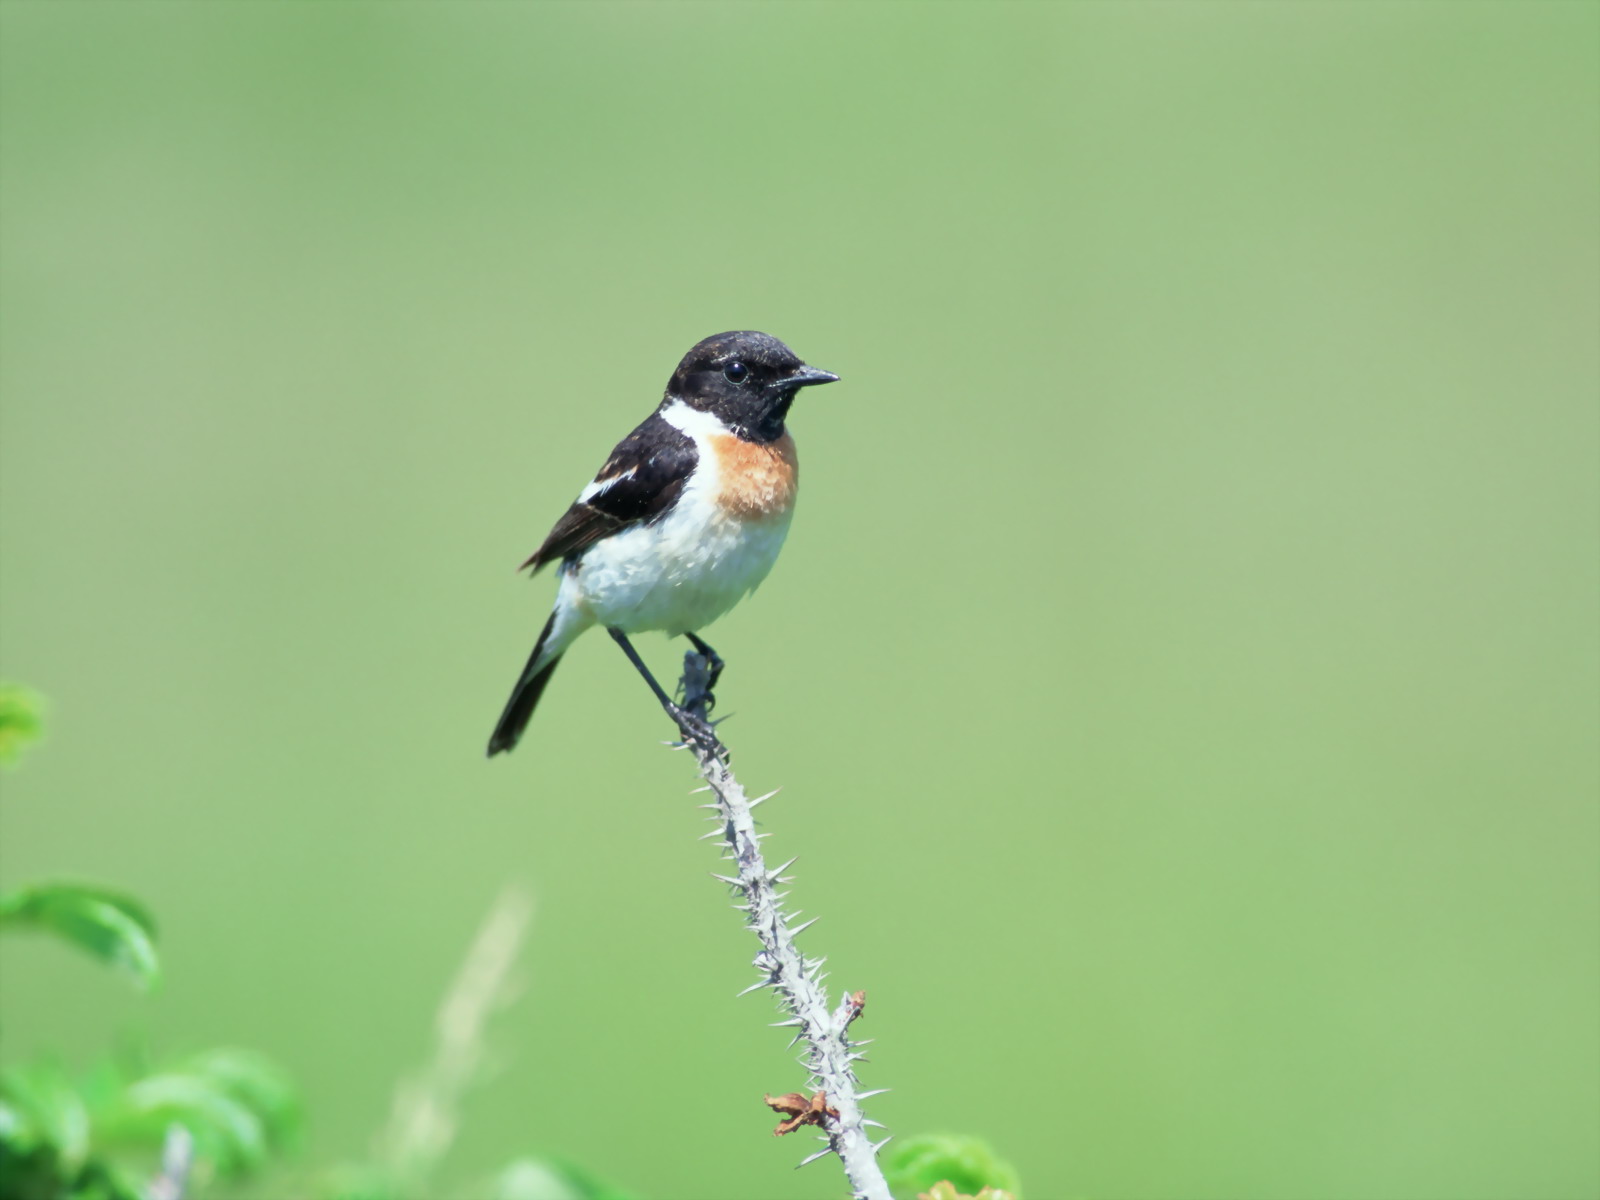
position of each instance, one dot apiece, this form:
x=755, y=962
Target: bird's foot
x=713, y=661
x=695, y=728
x=697, y=697
x=697, y=703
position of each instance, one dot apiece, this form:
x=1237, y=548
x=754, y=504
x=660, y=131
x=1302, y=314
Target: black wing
x=639, y=482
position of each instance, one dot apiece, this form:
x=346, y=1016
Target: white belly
x=678, y=575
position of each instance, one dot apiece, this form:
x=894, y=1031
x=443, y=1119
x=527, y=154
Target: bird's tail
x=525, y=695
x=559, y=633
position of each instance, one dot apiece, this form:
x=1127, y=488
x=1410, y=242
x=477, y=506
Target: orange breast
x=757, y=481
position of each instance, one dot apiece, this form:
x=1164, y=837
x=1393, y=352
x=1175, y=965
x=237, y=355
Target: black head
x=748, y=379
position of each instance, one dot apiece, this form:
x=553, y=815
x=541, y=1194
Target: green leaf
x=225, y=1131
x=20, y=723
x=43, y=1111
x=101, y=1181
x=256, y=1082
x=350, y=1181
x=29, y=1174
x=108, y=925
x=914, y=1165
x=530, y=1179
x=550, y=1179
x=237, y=1105
x=102, y=1085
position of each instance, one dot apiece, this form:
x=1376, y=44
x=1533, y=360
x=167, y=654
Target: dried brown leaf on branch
x=800, y=1111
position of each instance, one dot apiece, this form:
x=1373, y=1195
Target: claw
x=693, y=726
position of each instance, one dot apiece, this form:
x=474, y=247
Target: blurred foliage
x=529, y=1178
x=100, y=1136
x=916, y=1164
x=240, y=1109
x=79, y=1137
x=548, y=1179
x=237, y=1106
x=102, y=1133
x=20, y=721
x=111, y=926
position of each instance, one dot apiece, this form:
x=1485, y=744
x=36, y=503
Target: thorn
x=715, y=833
x=756, y=987
x=796, y=1040
x=764, y=799
x=701, y=790
x=863, y=1042
x=784, y=1024
x=872, y=1093
x=730, y=880
x=882, y=1144
x=859, y=1058
x=799, y=929
x=773, y=875
x=811, y=1158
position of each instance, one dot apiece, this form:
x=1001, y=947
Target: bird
x=684, y=519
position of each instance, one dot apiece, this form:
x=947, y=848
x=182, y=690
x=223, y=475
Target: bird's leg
x=714, y=665
x=687, y=721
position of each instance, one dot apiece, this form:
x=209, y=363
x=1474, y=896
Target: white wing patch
x=595, y=486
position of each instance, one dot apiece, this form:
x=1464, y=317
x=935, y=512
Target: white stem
x=796, y=979
x=177, y=1157
x=427, y=1105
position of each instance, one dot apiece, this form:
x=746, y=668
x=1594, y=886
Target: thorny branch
x=830, y=1054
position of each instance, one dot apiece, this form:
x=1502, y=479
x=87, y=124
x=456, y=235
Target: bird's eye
x=736, y=372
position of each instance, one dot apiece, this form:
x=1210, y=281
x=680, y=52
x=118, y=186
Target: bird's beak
x=804, y=377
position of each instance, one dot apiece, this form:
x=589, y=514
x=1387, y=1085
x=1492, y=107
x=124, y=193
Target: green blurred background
x=1182, y=670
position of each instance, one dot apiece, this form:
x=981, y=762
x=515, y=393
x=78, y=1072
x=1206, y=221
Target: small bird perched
x=684, y=519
